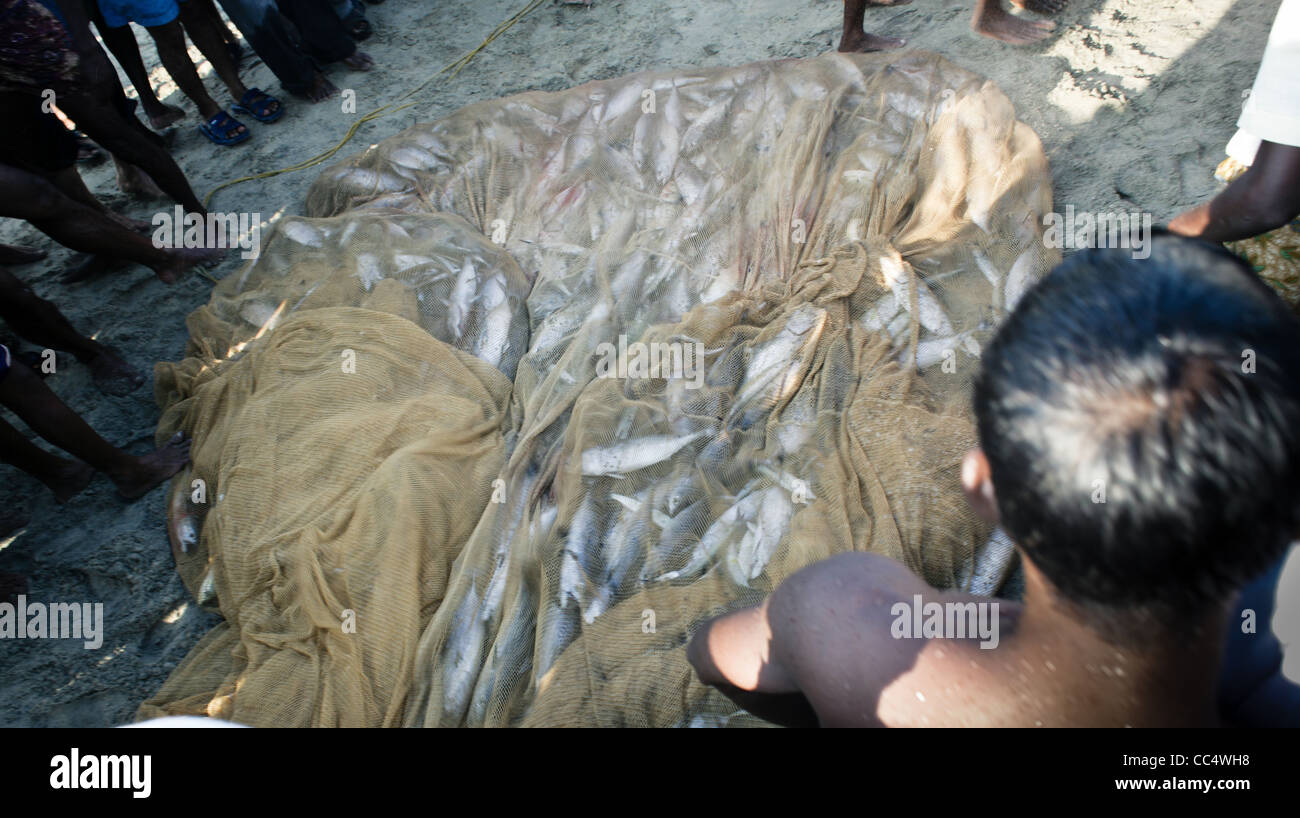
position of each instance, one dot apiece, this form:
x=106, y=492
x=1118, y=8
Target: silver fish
x=1019, y=278
x=302, y=233
x=933, y=351
x=462, y=653
x=633, y=455
x=579, y=551
x=413, y=158
x=700, y=127
x=993, y=275
x=462, y=293
x=362, y=180
x=680, y=533
x=207, y=594
x=188, y=534
x=773, y=371
x=405, y=261
x=745, y=562
x=929, y=311
x=740, y=512
x=556, y=633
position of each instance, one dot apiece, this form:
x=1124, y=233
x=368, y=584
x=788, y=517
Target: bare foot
x=11, y=254
x=91, y=267
x=321, y=89
x=1001, y=25
x=131, y=179
x=359, y=61
x=165, y=117
x=113, y=375
x=69, y=480
x=860, y=42
x=135, y=225
x=181, y=259
x=1040, y=6
x=135, y=480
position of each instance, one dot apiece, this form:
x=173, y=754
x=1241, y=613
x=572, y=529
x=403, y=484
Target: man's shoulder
x=831, y=631
x=853, y=578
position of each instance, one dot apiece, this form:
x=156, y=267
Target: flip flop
x=219, y=126
x=257, y=104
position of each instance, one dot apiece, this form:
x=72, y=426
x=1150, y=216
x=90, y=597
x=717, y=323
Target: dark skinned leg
x=271, y=35
x=228, y=37
x=66, y=478
x=1263, y=198
x=70, y=183
x=1040, y=6
x=121, y=42
x=96, y=102
x=40, y=322
x=991, y=20
x=23, y=392
x=74, y=225
x=854, y=37
x=204, y=27
x=175, y=57
x=10, y=254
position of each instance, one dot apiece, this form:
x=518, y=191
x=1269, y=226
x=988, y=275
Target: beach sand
x=1133, y=99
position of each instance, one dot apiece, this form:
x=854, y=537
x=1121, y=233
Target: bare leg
x=321, y=88
x=204, y=28
x=121, y=41
x=855, y=38
x=361, y=61
x=66, y=478
x=93, y=103
x=131, y=179
x=991, y=20
x=10, y=254
x=175, y=57
x=40, y=322
x=1040, y=6
x=233, y=46
x=69, y=181
x=27, y=196
x=30, y=399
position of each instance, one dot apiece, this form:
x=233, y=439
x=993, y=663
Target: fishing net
x=536, y=388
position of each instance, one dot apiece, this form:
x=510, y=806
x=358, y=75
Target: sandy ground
x=1133, y=99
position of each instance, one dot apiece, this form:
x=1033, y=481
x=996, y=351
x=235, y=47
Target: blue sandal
x=257, y=104
x=218, y=128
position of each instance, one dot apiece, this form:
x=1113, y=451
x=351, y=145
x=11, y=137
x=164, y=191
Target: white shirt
x=1272, y=111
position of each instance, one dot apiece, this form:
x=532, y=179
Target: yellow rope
x=384, y=110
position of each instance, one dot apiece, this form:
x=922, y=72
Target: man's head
x=1141, y=424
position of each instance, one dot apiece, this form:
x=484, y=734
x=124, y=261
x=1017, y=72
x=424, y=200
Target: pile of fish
x=824, y=245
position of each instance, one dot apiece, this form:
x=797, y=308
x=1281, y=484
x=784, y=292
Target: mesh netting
x=445, y=487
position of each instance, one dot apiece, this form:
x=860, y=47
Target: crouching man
x=1139, y=428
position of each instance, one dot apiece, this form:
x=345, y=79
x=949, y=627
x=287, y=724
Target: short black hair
x=1130, y=381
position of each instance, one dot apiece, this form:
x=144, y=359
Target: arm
x=734, y=654
x=1263, y=198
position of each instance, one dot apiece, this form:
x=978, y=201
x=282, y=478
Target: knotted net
x=536, y=388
